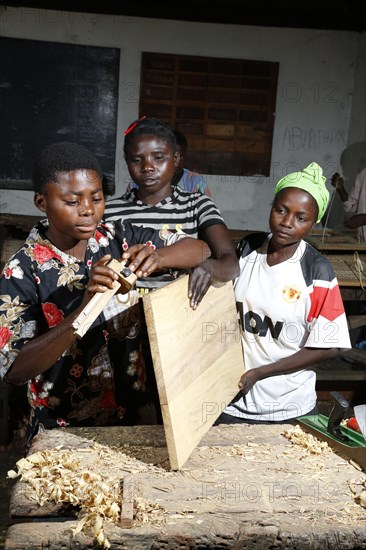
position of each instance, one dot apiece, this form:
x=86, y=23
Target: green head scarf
x=311, y=179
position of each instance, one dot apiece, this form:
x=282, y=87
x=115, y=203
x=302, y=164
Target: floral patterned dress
x=100, y=379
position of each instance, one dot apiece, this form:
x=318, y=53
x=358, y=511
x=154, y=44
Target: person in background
x=289, y=305
x=354, y=201
x=152, y=159
x=183, y=178
x=99, y=379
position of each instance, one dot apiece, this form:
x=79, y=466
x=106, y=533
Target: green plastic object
x=319, y=422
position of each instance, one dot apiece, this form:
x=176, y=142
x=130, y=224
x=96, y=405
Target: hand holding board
x=100, y=299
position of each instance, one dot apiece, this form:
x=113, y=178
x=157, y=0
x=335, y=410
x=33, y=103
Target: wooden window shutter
x=225, y=108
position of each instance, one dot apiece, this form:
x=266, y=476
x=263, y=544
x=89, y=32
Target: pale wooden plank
x=128, y=498
x=197, y=358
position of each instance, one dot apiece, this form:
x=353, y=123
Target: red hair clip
x=133, y=125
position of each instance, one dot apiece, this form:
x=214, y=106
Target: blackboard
x=55, y=92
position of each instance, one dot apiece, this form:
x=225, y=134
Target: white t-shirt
x=283, y=308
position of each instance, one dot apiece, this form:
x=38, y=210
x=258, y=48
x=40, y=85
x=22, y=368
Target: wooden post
x=128, y=496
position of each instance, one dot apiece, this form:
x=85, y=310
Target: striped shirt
x=188, y=181
x=182, y=210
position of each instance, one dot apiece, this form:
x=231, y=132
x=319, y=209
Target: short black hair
x=148, y=126
x=181, y=139
x=62, y=156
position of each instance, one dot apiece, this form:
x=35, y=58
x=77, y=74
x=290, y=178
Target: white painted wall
x=314, y=98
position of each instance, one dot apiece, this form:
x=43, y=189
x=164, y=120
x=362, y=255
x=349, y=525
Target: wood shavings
x=308, y=441
x=358, y=489
x=55, y=476
x=148, y=512
x=250, y=451
x=58, y=476
x=355, y=465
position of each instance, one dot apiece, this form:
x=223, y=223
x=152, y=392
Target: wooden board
x=197, y=358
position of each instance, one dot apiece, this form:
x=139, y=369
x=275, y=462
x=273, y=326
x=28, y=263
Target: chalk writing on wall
x=295, y=138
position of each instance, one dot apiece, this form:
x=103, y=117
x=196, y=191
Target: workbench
x=324, y=240
x=348, y=257
x=332, y=240
x=244, y=486
x=350, y=270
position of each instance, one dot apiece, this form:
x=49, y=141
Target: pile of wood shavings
x=57, y=476
x=313, y=445
x=359, y=494
x=148, y=512
x=251, y=451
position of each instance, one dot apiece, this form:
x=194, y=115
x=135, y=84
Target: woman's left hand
x=142, y=259
x=200, y=281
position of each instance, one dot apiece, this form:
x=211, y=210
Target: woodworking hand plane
x=126, y=279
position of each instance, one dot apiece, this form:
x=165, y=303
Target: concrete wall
x=317, y=76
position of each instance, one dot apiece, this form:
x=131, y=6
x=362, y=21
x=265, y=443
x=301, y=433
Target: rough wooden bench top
x=244, y=486
x=350, y=366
